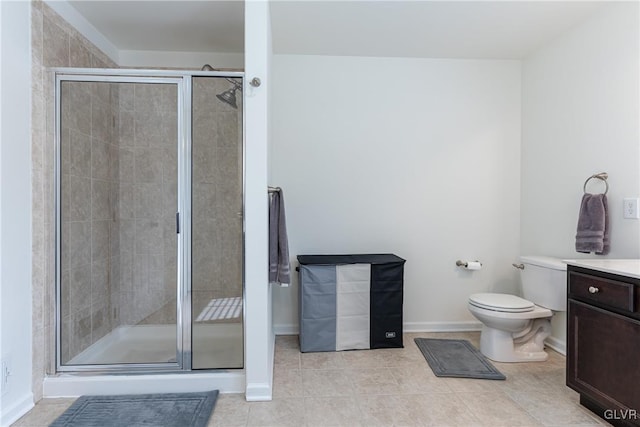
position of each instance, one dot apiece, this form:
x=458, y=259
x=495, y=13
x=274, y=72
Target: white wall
x=417, y=157
x=580, y=117
x=15, y=208
x=259, y=337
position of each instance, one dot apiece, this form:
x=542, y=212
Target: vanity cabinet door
x=603, y=356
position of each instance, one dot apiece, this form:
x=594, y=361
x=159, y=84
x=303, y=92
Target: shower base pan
x=217, y=345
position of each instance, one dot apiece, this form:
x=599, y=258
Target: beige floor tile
x=231, y=410
x=463, y=385
x=324, y=360
x=552, y=408
x=44, y=413
x=595, y=421
x=361, y=359
x=554, y=376
x=565, y=391
x=496, y=409
x=373, y=381
x=555, y=356
x=287, y=382
x=388, y=387
x=332, y=411
x=278, y=412
x=387, y=411
x=402, y=357
x=418, y=378
x=288, y=341
x=521, y=380
x=441, y=409
x=287, y=357
x=326, y=383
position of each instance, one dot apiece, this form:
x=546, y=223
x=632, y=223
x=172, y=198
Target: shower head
x=207, y=67
x=229, y=95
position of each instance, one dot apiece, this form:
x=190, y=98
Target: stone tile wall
x=90, y=228
x=148, y=189
x=55, y=43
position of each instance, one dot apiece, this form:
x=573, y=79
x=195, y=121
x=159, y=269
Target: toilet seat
x=504, y=303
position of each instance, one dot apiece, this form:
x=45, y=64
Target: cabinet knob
x=593, y=290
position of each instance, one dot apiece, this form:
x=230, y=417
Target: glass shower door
x=217, y=236
x=118, y=198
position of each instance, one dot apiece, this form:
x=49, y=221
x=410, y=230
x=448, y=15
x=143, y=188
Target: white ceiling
x=449, y=28
x=440, y=29
x=180, y=26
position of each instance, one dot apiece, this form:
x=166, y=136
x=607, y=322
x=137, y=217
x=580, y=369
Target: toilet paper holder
x=471, y=265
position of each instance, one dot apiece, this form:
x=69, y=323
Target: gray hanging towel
x=593, y=225
x=279, y=266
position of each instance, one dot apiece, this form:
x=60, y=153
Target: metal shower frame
x=183, y=80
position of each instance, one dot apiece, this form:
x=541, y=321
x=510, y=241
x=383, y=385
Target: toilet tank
x=544, y=281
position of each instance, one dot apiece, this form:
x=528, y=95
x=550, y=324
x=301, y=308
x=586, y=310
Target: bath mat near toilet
x=137, y=410
x=456, y=358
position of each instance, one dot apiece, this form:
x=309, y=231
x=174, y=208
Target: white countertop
x=623, y=267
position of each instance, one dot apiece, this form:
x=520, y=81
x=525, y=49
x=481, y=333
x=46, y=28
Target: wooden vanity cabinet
x=603, y=343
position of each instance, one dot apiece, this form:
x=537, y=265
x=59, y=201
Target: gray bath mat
x=456, y=358
x=157, y=410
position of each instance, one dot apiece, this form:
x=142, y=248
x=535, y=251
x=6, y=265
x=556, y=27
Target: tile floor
x=389, y=387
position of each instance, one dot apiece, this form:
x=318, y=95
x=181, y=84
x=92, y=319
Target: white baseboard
x=557, y=345
x=259, y=392
x=13, y=414
x=286, y=329
x=466, y=326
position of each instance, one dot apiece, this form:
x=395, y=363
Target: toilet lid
x=501, y=302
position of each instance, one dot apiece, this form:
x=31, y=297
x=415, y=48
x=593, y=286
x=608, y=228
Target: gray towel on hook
x=279, y=266
x=593, y=225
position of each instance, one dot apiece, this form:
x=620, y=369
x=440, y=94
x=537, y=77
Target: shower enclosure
x=149, y=220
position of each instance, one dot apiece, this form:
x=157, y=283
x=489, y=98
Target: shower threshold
x=71, y=385
x=216, y=345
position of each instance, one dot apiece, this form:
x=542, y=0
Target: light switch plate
x=630, y=208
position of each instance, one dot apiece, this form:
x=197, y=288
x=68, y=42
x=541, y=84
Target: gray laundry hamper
x=350, y=302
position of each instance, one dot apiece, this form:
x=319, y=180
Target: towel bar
x=601, y=176
x=274, y=189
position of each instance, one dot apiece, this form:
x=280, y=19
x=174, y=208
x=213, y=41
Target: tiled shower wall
x=54, y=44
x=146, y=290
x=216, y=194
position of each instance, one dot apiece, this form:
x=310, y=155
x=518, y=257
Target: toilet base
x=501, y=346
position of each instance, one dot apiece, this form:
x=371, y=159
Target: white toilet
x=514, y=328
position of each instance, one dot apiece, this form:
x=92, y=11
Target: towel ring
x=602, y=176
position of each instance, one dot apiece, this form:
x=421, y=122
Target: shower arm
x=236, y=85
